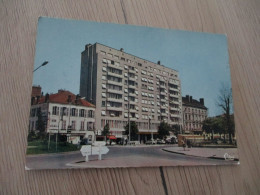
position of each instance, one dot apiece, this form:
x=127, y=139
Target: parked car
x=160, y=141
x=152, y=141
x=171, y=140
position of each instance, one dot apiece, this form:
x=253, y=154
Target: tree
x=106, y=130
x=133, y=129
x=176, y=129
x=225, y=103
x=163, y=130
x=208, y=126
x=40, y=124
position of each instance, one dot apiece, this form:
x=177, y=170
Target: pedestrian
x=183, y=144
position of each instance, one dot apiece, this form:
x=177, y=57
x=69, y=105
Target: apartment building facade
x=125, y=87
x=194, y=113
x=63, y=113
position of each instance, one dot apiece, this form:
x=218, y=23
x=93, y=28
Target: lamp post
x=43, y=64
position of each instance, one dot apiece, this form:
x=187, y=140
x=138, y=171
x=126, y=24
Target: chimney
x=122, y=49
x=190, y=99
x=159, y=62
x=69, y=99
x=202, y=101
x=77, y=99
x=47, y=96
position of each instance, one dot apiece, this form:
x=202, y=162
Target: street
x=121, y=156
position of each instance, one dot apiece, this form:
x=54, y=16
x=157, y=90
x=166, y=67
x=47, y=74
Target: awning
x=111, y=137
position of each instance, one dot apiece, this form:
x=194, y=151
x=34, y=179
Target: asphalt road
x=120, y=156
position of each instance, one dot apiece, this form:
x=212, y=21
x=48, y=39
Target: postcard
x=109, y=95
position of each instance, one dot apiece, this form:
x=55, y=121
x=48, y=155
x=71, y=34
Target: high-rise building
x=194, y=113
x=126, y=87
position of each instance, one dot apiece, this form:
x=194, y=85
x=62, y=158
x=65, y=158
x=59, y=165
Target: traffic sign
x=93, y=150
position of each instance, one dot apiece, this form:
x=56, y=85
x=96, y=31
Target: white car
x=152, y=141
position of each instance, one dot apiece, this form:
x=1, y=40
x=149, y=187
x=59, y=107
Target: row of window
x=136, y=63
x=65, y=111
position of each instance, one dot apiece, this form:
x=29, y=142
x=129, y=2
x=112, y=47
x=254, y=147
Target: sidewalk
x=217, y=153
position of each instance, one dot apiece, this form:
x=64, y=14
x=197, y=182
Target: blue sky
x=200, y=58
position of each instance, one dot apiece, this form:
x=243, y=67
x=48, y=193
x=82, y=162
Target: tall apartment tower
x=126, y=87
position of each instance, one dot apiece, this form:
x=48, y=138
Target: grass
x=41, y=147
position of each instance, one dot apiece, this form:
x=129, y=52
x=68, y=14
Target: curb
x=211, y=157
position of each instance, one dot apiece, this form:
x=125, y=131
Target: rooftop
x=64, y=97
x=189, y=101
x=135, y=56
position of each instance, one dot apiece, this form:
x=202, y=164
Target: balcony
x=114, y=100
x=163, y=106
x=132, y=111
x=163, y=100
x=114, y=66
x=114, y=108
x=115, y=83
x=173, y=89
x=132, y=86
x=132, y=94
x=175, y=115
x=132, y=71
x=115, y=74
x=164, y=114
x=132, y=78
x=174, y=109
x=162, y=93
x=173, y=95
x=162, y=86
x=114, y=91
x=173, y=82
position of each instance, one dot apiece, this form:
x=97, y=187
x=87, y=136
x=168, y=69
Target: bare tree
x=225, y=103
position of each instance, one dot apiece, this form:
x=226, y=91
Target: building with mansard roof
x=194, y=113
x=64, y=113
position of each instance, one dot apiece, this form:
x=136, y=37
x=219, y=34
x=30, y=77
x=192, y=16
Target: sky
x=200, y=58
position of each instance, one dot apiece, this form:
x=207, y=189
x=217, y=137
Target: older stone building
x=63, y=113
x=126, y=87
x=194, y=113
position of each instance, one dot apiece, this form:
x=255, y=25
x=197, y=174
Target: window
x=103, y=77
x=73, y=125
x=109, y=55
x=103, y=103
x=103, y=113
x=33, y=112
x=73, y=112
x=64, y=112
x=116, y=57
x=55, y=110
x=82, y=125
x=63, y=126
x=91, y=114
x=103, y=53
x=82, y=113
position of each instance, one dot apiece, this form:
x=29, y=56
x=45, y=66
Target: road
x=120, y=156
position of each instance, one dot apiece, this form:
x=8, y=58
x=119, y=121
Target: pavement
x=217, y=153
x=133, y=156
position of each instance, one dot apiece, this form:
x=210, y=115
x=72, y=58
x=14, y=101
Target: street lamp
x=43, y=64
